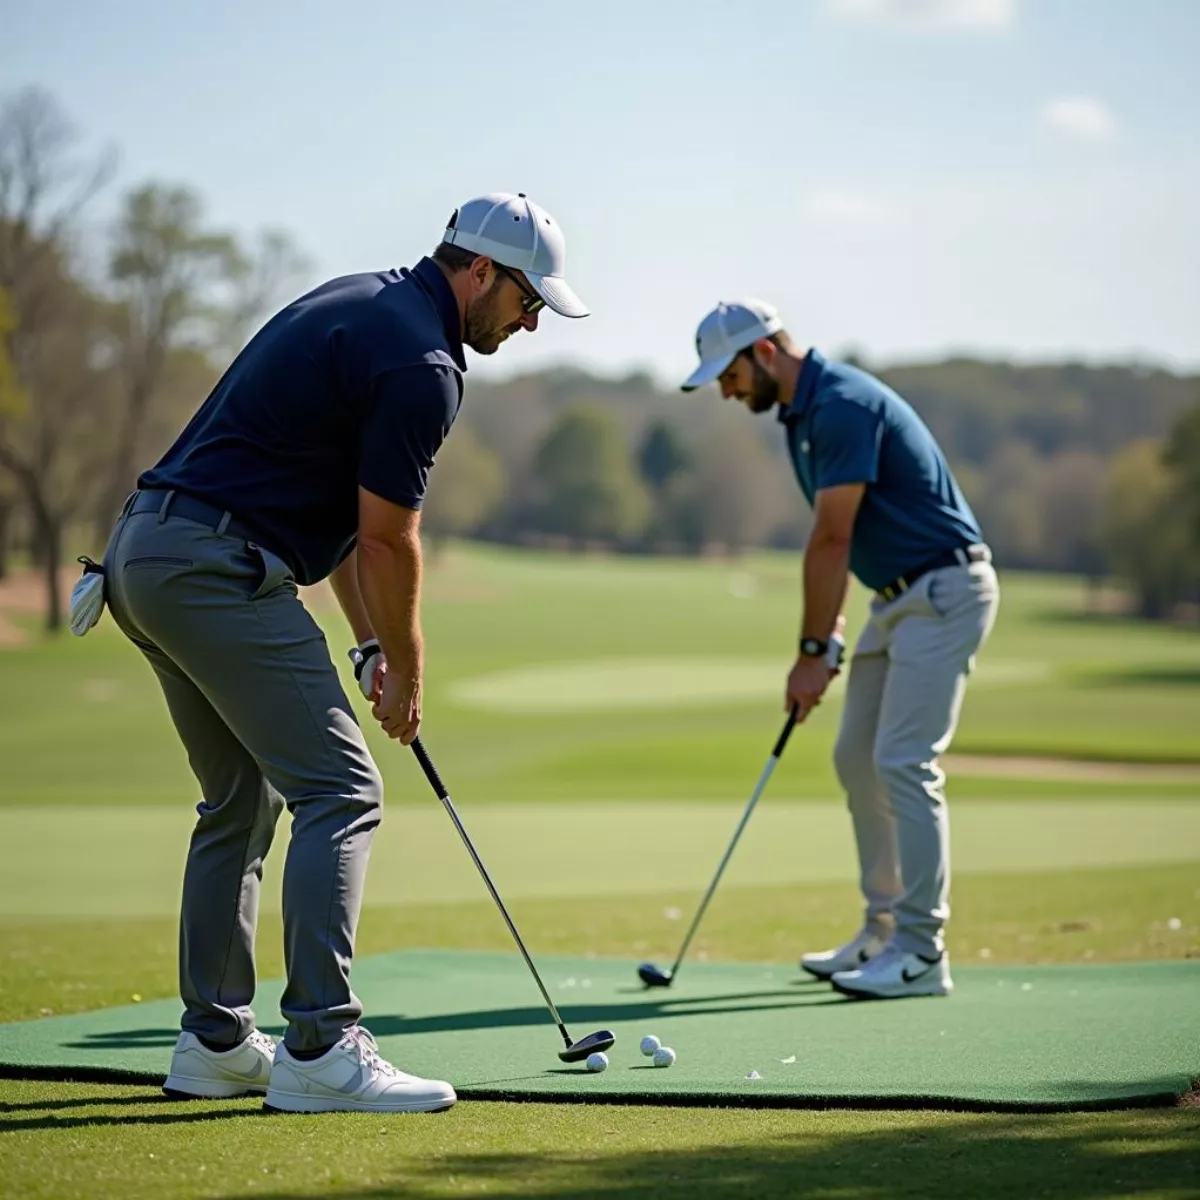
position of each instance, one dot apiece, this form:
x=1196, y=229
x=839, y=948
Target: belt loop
x=166, y=504
x=223, y=523
x=964, y=558
x=128, y=504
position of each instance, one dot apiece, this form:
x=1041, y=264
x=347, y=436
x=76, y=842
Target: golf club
x=602, y=1039
x=654, y=976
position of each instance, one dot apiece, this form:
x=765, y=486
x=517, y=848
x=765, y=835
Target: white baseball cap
x=512, y=230
x=728, y=329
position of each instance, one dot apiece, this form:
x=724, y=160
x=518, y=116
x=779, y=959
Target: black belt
x=960, y=556
x=175, y=504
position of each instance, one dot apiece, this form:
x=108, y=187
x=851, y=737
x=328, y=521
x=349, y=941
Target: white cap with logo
x=726, y=330
x=513, y=231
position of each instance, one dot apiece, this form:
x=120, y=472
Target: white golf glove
x=835, y=653
x=87, y=597
x=367, y=657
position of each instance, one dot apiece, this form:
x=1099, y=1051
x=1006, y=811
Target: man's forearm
x=389, y=580
x=344, y=582
x=826, y=578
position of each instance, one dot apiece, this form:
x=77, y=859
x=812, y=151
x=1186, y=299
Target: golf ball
x=597, y=1062
x=649, y=1045
x=664, y=1056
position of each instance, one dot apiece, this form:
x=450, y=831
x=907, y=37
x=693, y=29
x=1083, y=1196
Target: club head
x=653, y=976
x=602, y=1039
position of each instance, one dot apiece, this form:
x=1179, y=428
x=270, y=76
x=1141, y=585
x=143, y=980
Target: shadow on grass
x=190, y=1117
x=1078, y=1159
x=1167, y=676
x=395, y=1024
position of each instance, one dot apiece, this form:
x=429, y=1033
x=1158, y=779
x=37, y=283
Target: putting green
x=1010, y=1037
x=646, y=682
x=110, y=862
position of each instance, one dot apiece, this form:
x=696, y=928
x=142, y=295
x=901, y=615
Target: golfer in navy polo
x=887, y=510
x=309, y=461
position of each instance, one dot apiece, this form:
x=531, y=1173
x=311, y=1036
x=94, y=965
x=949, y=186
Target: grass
x=1119, y=914
x=58, y=1141
x=1050, y=682
x=95, y=793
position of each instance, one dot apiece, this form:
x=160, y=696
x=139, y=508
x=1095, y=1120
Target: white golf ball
x=597, y=1062
x=649, y=1045
x=664, y=1056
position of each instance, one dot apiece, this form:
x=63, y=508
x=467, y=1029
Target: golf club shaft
x=435, y=781
x=759, y=788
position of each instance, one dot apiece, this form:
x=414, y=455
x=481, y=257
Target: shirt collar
x=435, y=285
x=806, y=386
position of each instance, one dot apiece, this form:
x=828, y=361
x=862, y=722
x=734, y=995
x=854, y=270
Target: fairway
x=71, y=862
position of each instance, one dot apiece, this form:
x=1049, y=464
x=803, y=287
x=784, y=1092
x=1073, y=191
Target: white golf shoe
x=894, y=973
x=859, y=950
x=197, y=1071
x=351, y=1077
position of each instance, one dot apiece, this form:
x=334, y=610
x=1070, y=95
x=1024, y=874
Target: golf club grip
x=431, y=772
x=786, y=731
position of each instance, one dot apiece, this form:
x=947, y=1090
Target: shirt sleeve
x=846, y=438
x=410, y=412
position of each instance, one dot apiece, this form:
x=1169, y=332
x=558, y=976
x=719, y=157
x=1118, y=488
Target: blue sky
x=909, y=177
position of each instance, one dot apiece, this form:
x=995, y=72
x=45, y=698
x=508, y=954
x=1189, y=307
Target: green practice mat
x=1011, y=1037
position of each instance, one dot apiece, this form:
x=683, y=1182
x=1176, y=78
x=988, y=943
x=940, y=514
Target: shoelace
x=368, y=1051
x=886, y=955
x=262, y=1041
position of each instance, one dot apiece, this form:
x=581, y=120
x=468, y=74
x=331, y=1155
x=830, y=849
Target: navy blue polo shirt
x=358, y=382
x=844, y=426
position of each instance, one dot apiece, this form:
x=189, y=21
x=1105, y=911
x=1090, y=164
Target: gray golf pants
x=251, y=689
x=907, y=679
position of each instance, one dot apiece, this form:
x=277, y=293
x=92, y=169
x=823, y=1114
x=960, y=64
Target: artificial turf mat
x=1010, y=1037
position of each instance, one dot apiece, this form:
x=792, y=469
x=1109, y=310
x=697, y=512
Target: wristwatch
x=813, y=647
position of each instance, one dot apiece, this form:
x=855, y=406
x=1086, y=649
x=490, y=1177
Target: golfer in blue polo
x=886, y=509
x=309, y=461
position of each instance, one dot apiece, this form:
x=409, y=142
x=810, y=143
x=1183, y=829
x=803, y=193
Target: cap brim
x=706, y=372
x=558, y=294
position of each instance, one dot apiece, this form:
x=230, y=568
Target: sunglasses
x=531, y=302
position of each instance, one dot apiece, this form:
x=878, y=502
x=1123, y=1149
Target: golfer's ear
x=765, y=352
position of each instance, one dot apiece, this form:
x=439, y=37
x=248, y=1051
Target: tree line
x=111, y=336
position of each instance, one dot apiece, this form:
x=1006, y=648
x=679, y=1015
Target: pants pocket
x=157, y=560
x=275, y=572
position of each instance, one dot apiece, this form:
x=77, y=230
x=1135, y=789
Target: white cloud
x=841, y=206
x=1082, y=118
x=930, y=15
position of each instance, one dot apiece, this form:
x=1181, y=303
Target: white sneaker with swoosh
x=351, y=1076
x=895, y=973
x=198, y=1072
x=858, y=950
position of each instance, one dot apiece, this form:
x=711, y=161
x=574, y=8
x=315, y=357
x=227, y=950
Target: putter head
x=602, y=1039
x=653, y=976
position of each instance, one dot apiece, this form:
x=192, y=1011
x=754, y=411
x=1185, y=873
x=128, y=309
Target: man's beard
x=483, y=331
x=765, y=394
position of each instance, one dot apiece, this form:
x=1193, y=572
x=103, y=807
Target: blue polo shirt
x=356, y=383
x=845, y=426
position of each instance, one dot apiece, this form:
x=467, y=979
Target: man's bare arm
x=827, y=558
x=344, y=582
x=389, y=580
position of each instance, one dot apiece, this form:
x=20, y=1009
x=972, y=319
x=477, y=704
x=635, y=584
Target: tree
x=1145, y=530
x=1009, y=507
x=742, y=491
x=662, y=455
x=1182, y=455
x=166, y=271
x=1071, y=497
x=54, y=428
x=588, y=487
x=465, y=486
